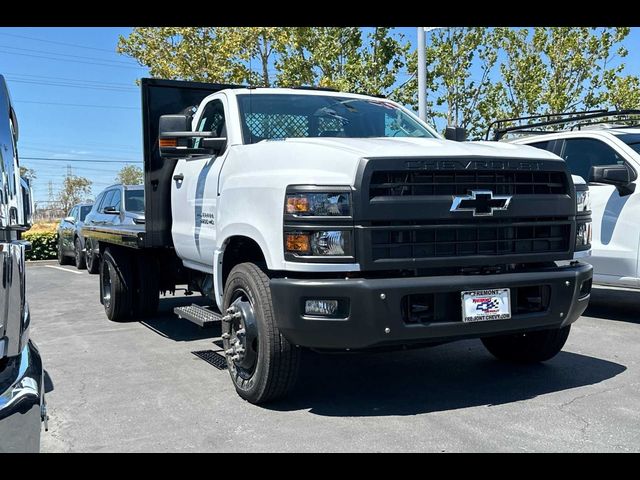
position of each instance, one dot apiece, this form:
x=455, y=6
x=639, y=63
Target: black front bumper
x=22, y=404
x=374, y=316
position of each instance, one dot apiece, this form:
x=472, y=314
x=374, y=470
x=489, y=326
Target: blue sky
x=78, y=105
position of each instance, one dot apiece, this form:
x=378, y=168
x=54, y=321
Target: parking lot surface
x=137, y=387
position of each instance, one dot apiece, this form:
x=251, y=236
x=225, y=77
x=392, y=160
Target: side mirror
x=176, y=138
x=616, y=175
x=457, y=134
x=110, y=210
x=70, y=220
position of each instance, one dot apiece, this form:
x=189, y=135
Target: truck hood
x=423, y=147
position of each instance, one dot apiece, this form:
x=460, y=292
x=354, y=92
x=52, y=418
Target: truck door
x=195, y=193
x=616, y=229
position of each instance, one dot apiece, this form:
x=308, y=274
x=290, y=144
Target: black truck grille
x=414, y=183
x=472, y=239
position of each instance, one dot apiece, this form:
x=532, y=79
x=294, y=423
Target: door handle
x=178, y=177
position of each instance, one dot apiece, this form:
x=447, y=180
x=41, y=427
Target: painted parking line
x=63, y=269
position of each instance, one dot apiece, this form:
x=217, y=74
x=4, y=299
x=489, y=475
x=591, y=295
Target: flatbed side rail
x=126, y=236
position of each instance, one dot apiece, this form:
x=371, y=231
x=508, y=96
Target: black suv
x=70, y=239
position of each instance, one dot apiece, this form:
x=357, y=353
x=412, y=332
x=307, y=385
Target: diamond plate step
x=199, y=315
x=212, y=358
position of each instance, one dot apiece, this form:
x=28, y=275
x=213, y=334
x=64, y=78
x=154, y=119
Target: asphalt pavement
x=137, y=386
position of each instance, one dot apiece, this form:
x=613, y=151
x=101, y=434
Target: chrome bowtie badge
x=481, y=202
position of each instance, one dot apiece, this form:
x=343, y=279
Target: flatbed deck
x=132, y=236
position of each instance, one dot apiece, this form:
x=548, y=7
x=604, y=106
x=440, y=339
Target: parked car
x=70, y=238
x=117, y=205
x=607, y=157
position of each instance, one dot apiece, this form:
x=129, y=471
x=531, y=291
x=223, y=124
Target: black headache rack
x=529, y=125
x=162, y=97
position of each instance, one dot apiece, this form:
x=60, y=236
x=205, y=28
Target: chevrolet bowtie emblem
x=481, y=202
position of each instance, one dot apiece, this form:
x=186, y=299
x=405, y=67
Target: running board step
x=199, y=315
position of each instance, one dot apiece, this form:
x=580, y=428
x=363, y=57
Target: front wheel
x=91, y=259
x=528, y=347
x=262, y=363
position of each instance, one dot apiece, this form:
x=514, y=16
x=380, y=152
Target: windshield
x=631, y=139
x=134, y=200
x=84, y=211
x=278, y=116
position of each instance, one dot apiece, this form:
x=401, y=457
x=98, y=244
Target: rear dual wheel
x=128, y=284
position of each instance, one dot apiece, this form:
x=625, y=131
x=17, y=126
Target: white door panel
x=193, y=205
x=616, y=232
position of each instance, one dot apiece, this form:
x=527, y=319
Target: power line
x=104, y=60
x=57, y=42
x=61, y=84
x=78, y=105
x=80, y=80
x=79, y=160
x=49, y=151
x=69, y=60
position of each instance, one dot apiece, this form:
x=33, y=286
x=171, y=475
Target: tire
x=78, y=251
x=276, y=361
x=147, y=295
x=529, y=347
x=62, y=258
x=92, y=261
x=116, y=284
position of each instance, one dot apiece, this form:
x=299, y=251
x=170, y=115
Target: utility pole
x=422, y=71
x=422, y=75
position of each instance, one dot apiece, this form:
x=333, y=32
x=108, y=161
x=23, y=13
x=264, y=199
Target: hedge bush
x=44, y=245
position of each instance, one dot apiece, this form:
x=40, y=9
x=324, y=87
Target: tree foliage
x=74, y=190
x=342, y=58
x=474, y=75
x=130, y=175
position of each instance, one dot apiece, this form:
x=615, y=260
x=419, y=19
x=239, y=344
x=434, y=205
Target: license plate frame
x=493, y=303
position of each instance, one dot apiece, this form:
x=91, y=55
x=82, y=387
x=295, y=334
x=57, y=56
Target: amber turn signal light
x=168, y=142
x=297, y=242
x=297, y=204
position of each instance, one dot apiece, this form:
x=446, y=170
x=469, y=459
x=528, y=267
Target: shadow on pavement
x=166, y=324
x=618, y=305
x=449, y=377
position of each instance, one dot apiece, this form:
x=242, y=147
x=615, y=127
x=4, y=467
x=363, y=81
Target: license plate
x=482, y=305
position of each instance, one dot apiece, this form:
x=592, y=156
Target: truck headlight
x=583, y=201
x=318, y=204
x=320, y=243
x=583, y=235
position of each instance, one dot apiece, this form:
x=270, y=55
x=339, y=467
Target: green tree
x=74, y=190
x=621, y=92
x=460, y=63
x=557, y=69
x=130, y=175
x=343, y=58
x=206, y=54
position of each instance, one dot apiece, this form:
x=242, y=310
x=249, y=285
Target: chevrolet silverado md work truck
x=341, y=222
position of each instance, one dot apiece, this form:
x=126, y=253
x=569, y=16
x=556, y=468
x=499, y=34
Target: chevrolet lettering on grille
x=481, y=202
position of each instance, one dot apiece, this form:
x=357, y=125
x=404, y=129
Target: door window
x=108, y=199
x=583, y=153
x=212, y=120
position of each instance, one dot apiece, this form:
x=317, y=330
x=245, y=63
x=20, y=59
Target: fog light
x=320, y=307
